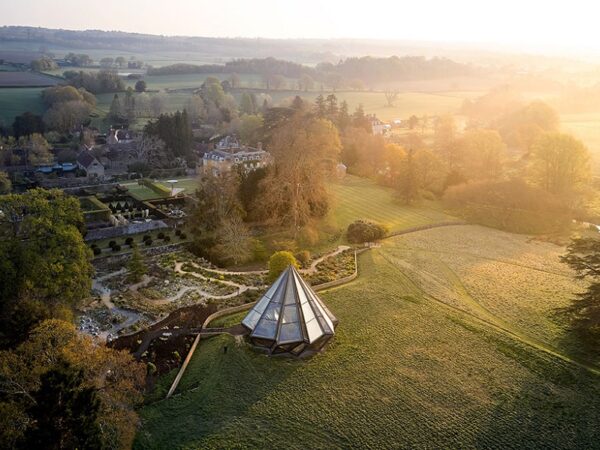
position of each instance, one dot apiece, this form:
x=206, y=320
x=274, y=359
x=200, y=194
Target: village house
x=229, y=153
x=88, y=162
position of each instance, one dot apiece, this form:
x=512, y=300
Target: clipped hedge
x=362, y=230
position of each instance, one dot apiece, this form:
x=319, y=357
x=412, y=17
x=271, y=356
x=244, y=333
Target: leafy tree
x=408, y=181
x=5, y=183
x=251, y=129
x=43, y=64
x=26, y=124
x=511, y=205
x=363, y=152
x=248, y=103
x=120, y=61
x=306, y=82
x=361, y=231
x=38, y=150
x=332, y=109
x=107, y=62
x=360, y=120
x=249, y=190
x=280, y=261
x=174, y=130
x=320, y=106
x=343, y=119
x=114, y=376
x=80, y=60
x=583, y=256
x=64, y=412
x=196, y=109
x=445, y=141
x=482, y=153
x=234, y=80
x=217, y=201
x=522, y=128
x=44, y=262
x=304, y=149
x=560, y=163
x=140, y=86
x=136, y=267
x=413, y=121
x=115, y=112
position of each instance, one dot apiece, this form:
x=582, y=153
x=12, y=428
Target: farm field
x=15, y=101
x=16, y=79
x=411, y=365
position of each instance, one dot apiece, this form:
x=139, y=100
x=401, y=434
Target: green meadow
x=427, y=354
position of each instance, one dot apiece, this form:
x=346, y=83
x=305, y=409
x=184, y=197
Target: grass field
x=15, y=101
x=587, y=128
x=355, y=198
x=360, y=198
x=412, y=365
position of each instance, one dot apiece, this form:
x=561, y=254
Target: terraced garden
x=429, y=353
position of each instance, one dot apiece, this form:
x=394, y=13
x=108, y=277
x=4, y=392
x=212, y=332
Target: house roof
x=85, y=158
x=290, y=312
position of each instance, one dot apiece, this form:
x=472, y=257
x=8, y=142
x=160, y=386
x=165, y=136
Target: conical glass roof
x=290, y=312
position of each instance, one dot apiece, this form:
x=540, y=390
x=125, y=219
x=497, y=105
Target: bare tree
x=391, y=95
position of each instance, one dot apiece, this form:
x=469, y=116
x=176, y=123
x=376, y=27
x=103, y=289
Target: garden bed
x=334, y=268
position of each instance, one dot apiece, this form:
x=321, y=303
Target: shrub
x=511, y=205
x=96, y=251
x=129, y=241
x=309, y=236
x=148, y=242
x=167, y=239
x=161, y=235
x=116, y=248
x=365, y=231
x=111, y=244
x=259, y=252
x=146, y=237
x=280, y=261
x=182, y=236
x=303, y=258
x=177, y=232
x=151, y=369
x=285, y=245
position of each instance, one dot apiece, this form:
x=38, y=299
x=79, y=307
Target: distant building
x=340, y=170
x=87, y=162
x=378, y=127
x=229, y=153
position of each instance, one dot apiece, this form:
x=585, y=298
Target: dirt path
x=316, y=262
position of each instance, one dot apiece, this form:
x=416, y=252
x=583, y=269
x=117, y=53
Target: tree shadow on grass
x=556, y=407
x=218, y=387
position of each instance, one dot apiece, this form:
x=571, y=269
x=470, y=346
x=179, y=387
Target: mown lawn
x=360, y=198
x=405, y=370
x=355, y=198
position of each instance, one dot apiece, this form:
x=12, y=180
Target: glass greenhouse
x=290, y=317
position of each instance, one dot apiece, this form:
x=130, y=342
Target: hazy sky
x=522, y=23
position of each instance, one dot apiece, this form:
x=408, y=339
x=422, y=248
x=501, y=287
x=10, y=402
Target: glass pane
x=265, y=329
x=314, y=330
x=290, y=332
x=290, y=314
